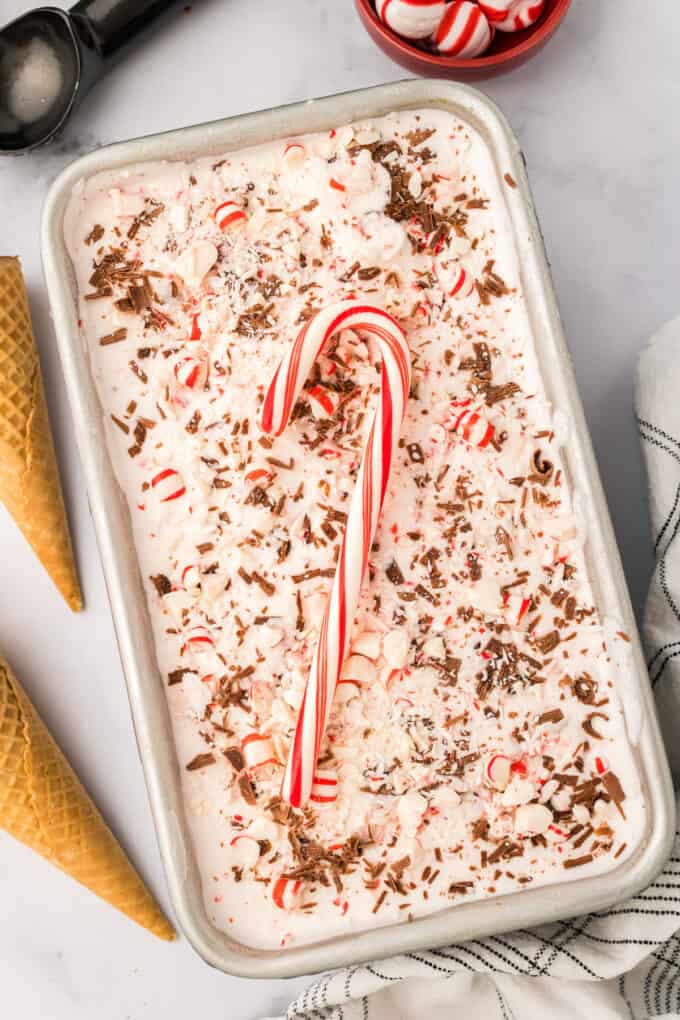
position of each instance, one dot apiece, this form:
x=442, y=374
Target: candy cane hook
x=362, y=520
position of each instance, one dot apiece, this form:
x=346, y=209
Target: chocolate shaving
x=505, y=851
x=583, y=837
x=114, y=338
x=309, y=575
x=201, y=761
x=349, y=273
x=548, y=643
x=177, y=675
x=590, y=728
x=503, y=538
x=554, y=715
x=275, y=462
x=482, y=367
x=267, y=587
x=139, y=297
x=192, y=425
x=427, y=594
x=542, y=467
x=121, y=424
x=140, y=373
x=235, y=758
x=328, y=530
x=415, y=452
x=394, y=573
x=495, y=394
x=577, y=862
x=247, y=790
x=161, y=583
x=474, y=566
x=584, y=688
x=95, y=234
x=460, y=888
x=418, y=136
x=379, y=901
x=148, y=215
x=612, y=785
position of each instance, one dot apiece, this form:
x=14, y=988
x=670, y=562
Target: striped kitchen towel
x=624, y=962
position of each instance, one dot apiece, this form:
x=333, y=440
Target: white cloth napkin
x=624, y=962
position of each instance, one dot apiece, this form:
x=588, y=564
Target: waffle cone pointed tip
x=44, y=805
x=29, y=477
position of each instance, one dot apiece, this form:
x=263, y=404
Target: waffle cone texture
x=29, y=477
x=44, y=805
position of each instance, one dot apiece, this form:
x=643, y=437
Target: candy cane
x=324, y=787
x=364, y=511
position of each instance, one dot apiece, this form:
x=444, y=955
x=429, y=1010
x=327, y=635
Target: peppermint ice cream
x=477, y=742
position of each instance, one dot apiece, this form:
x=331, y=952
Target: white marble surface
x=596, y=113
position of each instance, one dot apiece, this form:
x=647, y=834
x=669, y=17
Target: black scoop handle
x=107, y=26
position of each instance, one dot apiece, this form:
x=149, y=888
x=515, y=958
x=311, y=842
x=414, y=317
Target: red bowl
x=507, y=50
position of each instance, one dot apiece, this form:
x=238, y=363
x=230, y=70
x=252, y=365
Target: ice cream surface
x=477, y=742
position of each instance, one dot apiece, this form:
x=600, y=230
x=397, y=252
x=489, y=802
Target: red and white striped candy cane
x=367, y=501
x=324, y=786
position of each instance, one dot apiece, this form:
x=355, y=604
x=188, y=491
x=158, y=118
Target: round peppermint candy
x=412, y=19
x=521, y=14
x=496, y=10
x=464, y=31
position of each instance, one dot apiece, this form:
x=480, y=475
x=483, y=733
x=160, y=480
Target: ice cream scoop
x=50, y=59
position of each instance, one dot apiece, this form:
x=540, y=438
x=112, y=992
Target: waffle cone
x=43, y=804
x=29, y=476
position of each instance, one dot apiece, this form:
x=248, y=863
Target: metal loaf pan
x=128, y=603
